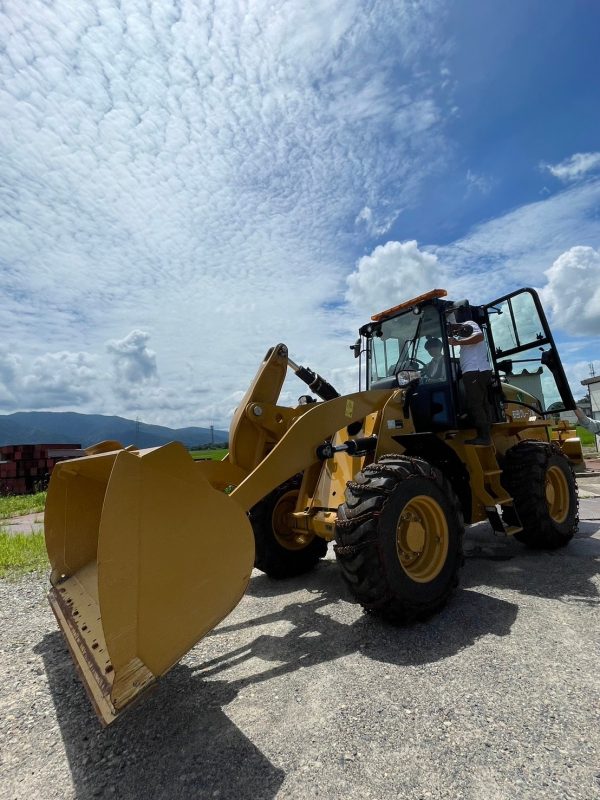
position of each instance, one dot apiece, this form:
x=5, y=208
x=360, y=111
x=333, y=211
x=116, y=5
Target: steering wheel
x=413, y=364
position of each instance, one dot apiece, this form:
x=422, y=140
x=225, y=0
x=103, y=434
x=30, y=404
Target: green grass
x=215, y=455
x=14, y=505
x=21, y=553
x=588, y=439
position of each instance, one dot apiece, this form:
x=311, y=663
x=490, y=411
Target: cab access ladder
x=485, y=475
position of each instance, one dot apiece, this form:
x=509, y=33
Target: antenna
x=592, y=370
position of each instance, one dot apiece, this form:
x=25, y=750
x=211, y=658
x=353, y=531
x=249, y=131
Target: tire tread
x=358, y=547
x=524, y=476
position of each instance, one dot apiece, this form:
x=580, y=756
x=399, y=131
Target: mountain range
x=50, y=427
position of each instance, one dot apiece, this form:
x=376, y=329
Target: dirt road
x=298, y=695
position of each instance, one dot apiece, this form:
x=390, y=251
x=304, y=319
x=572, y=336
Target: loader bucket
x=147, y=557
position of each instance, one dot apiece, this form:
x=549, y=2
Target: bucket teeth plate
x=78, y=615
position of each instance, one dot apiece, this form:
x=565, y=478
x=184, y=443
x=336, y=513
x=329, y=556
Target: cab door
x=523, y=349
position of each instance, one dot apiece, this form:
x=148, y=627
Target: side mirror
x=356, y=348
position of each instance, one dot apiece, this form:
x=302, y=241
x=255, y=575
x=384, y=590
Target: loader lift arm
x=148, y=554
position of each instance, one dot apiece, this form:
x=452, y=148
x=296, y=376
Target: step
x=497, y=523
x=507, y=501
x=512, y=529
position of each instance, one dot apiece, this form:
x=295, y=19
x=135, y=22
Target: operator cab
x=400, y=355
x=407, y=347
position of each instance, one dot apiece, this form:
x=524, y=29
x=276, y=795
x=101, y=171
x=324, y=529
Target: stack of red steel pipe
x=26, y=468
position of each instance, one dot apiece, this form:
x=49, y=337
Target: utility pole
x=212, y=434
x=591, y=395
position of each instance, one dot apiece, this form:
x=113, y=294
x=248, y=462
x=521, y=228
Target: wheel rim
x=557, y=494
x=290, y=539
x=422, y=539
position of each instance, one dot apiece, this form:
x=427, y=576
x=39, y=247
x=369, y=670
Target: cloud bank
x=572, y=292
x=393, y=272
x=193, y=172
x=184, y=185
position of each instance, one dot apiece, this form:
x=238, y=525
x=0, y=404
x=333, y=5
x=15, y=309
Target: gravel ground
x=297, y=694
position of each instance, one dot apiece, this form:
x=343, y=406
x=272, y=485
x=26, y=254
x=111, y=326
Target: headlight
x=406, y=376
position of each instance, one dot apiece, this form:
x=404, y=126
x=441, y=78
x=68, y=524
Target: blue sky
x=184, y=184
x=525, y=91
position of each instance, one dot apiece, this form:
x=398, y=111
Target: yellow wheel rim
x=557, y=494
x=422, y=539
x=285, y=536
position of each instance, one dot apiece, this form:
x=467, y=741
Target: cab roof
x=391, y=312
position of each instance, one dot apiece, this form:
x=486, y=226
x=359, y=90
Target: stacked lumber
x=26, y=468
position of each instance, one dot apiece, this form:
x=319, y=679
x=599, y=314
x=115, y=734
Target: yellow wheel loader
x=150, y=550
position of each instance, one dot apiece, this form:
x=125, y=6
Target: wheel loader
x=150, y=550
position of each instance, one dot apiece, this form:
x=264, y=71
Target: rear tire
x=280, y=552
x=542, y=484
x=399, y=539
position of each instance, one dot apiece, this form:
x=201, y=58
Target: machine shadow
x=314, y=634
x=567, y=573
x=202, y=753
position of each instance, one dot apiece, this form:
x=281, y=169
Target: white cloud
x=417, y=116
x=576, y=372
x=373, y=226
x=520, y=248
x=479, y=183
x=53, y=380
x=393, y=272
x=9, y=372
x=132, y=360
x=63, y=378
x=516, y=249
x=572, y=292
x=365, y=216
x=575, y=167
x=345, y=379
x=194, y=172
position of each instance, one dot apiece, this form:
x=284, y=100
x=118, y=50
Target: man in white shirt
x=592, y=425
x=476, y=377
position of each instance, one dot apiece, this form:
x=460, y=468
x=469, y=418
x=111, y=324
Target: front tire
x=399, y=539
x=281, y=552
x=542, y=484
